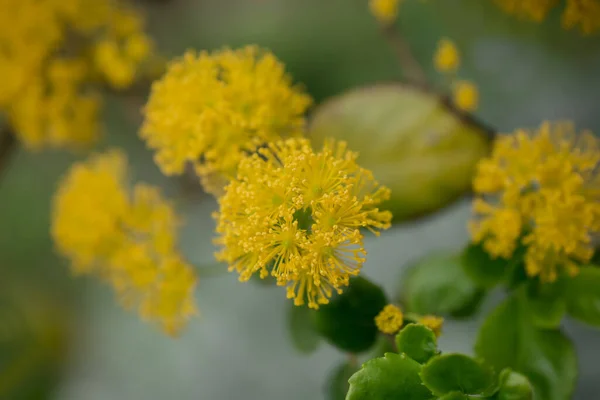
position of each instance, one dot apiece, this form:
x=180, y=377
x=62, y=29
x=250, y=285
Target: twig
x=8, y=143
x=412, y=69
x=468, y=118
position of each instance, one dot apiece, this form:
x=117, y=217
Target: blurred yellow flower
x=386, y=11
x=447, y=58
x=465, y=95
x=540, y=189
x=296, y=214
x=432, y=322
x=51, y=87
x=125, y=240
x=584, y=14
x=212, y=109
x=390, y=319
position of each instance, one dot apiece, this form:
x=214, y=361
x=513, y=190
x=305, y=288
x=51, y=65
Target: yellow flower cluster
x=213, y=109
x=386, y=11
x=465, y=94
x=390, y=319
x=540, y=189
x=584, y=14
x=296, y=214
x=126, y=240
x=55, y=53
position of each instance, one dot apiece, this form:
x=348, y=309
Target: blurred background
x=67, y=339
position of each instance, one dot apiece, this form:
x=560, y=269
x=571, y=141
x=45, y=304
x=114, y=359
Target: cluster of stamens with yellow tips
x=540, y=189
x=127, y=240
x=296, y=214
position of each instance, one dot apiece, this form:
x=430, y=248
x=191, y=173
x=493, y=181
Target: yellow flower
x=296, y=214
x=127, y=241
x=466, y=96
x=51, y=91
x=212, y=109
x=390, y=319
x=447, y=58
x=535, y=10
x=386, y=11
x=584, y=14
x=540, y=189
x=432, y=322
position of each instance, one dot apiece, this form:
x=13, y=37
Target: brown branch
x=8, y=143
x=412, y=69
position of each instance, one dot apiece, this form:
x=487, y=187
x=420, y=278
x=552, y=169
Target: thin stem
x=8, y=144
x=413, y=71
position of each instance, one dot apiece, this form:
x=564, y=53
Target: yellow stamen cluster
x=390, y=319
x=126, y=240
x=386, y=11
x=465, y=95
x=296, y=214
x=447, y=58
x=432, y=322
x=584, y=14
x=54, y=55
x=213, y=109
x=540, y=189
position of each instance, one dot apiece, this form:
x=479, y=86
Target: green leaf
x=457, y=372
x=347, y=321
x=546, y=303
x=394, y=376
x=302, y=331
x=411, y=142
x=454, y=396
x=418, y=342
x=337, y=385
x=437, y=284
x=583, y=295
x=484, y=270
x=508, y=339
x=514, y=386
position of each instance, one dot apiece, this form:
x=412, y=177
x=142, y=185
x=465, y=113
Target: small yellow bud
x=390, y=319
x=447, y=58
x=386, y=11
x=466, y=96
x=432, y=322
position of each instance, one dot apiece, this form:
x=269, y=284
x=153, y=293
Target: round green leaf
x=418, y=342
x=438, y=284
x=394, y=376
x=514, y=386
x=546, y=303
x=409, y=139
x=508, y=338
x=348, y=321
x=583, y=296
x=302, y=331
x=337, y=385
x=458, y=373
x=484, y=270
x=454, y=396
